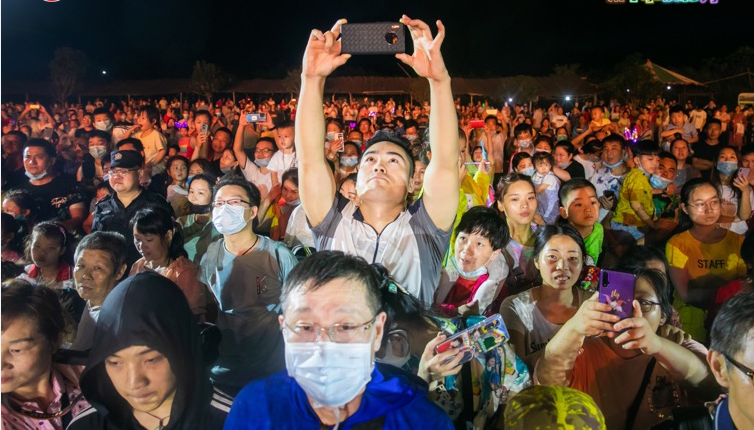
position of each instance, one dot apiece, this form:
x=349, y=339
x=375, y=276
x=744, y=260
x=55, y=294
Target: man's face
x=411, y=133
x=11, y=144
x=740, y=386
x=339, y=301
x=144, y=121
x=284, y=138
x=86, y=120
x=142, y=376
x=97, y=141
x=263, y=150
x=355, y=136
x=667, y=168
x=713, y=131
x=748, y=161
x=612, y=152
x=473, y=251
x=677, y=118
x=597, y=114
x=418, y=179
x=101, y=117
x=220, y=141
x=384, y=172
x=26, y=356
x=582, y=207
x=36, y=160
x=124, y=180
x=95, y=275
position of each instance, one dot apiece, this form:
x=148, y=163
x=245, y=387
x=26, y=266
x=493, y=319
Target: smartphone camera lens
x=391, y=38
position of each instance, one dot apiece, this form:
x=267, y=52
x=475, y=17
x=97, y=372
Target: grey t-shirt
x=247, y=289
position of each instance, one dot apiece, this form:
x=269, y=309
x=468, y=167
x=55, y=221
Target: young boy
x=155, y=145
x=665, y=198
x=635, y=213
x=468, y=286
x=547, y=185
x=580, y=207
x=285, y=158
x=678, y=125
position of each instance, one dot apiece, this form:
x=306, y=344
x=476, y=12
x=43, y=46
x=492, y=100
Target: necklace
x=161, y=425
x=41, y=415
x=252, y=246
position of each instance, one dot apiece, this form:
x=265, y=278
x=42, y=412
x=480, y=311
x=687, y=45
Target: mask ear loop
x=337, y=418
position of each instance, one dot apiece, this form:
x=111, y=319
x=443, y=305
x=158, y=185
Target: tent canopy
x=668, y=76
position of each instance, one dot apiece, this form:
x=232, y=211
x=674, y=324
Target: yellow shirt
x=635, y=188
x=473, y=192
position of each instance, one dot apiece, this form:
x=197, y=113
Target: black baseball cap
x=126, y=159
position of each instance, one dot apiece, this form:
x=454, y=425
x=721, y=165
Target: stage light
x=668, y=86
x=568, y=98
x=510, y=99
x=627, y=90
x=104, y=72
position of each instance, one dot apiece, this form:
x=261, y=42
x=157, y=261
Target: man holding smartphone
x=382, y=229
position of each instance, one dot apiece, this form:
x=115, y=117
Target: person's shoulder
x=734, y=237
x=680, y=239
x=87, y=419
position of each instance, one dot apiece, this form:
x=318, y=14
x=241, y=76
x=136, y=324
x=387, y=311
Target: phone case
x=373, y=38
x=617, y=290
x=477, y=339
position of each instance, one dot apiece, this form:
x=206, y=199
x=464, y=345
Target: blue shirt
x=278, y=402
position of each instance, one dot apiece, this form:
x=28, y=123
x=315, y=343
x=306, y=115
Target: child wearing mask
x=547, y=185
x=635, y=214
x=466, y=286
x=580, y=207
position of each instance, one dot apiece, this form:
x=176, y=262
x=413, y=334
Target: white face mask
x=37, y=176
x=262, y=162
x=330, y=373
x=524, y=143
x=229, y=219
x=103, y=125
x=97, y=151
x=469, y=275
x=330, y=136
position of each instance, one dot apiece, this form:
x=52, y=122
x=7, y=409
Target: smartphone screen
x=205, y=128
x=617, y=291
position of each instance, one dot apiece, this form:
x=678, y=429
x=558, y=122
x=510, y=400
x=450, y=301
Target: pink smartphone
x=744, y=172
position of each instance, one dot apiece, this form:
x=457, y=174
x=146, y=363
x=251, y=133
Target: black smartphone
x=373, y=38
x=609, y=193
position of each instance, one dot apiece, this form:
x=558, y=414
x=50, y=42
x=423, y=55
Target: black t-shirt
x=53, y=199
x=575, y=169
x=705, y=151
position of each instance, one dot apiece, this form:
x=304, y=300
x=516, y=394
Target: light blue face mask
x=658, y=182
x=612, y=166
x=528, y=172
x=262, y=162
x=349, y=161
x=469, y=275
x=727, y=167
x=647, y=174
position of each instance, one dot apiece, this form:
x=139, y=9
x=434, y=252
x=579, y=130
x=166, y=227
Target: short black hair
x=290, y=124
x=103, y=111
x=666, y=154
x=153, y=115
x=41, y=143
x=733, y=325
x=21, y=135
x=539, y=157
x=568, y=146
x=101, y=134
x=490, y=117
x=411, y=123
x=520, y=156
x=545, y=233
x=158, y=221
x=485, y=222
x=290, y=175
x=110, y=242
x=386, y=135
x=203, y=112
x=133, y=141
x=675, y=109
x=522, y=128
x=251, y=190
x=747, y=149
x=713, y=121
x=646, y=147
x=325, y=266
x=659, y=281
x=572, y=185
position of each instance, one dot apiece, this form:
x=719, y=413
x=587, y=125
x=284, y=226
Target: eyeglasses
x=338, y=333
x=646, y=305
x=746, y=371
x=232, y=202
x=263, y=151
x=712, y=204
x=121, y=172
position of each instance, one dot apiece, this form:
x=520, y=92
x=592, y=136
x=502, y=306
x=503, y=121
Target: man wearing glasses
x=731, y=358
x=333, y=325
x=114, y=212
x=245, y=272
x=255, y=171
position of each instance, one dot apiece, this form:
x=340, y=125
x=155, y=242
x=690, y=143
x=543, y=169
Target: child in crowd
x=155, y=144
x=285, y=158
x=580, y=207
x=277, y=208
x=547, y=185
x=11, y=246
x=467, y=287
x=177, y=167
x=635, y=214
x=50, y=252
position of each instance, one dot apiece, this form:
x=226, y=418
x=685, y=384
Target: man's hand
x=322, y=55
x=426, y=60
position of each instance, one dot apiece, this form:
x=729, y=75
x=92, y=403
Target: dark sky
x=134, y=39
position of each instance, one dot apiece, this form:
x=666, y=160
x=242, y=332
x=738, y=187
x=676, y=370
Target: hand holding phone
x=477, y=339
x=617, y=291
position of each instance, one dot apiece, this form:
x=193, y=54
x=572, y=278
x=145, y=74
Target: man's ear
x=379, y=331
x=719, y=367
x=563, y=212
x=122, y=271
x=254, y=211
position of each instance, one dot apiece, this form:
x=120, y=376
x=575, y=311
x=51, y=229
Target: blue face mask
x=528, y=172
x=564, y=165
x=349, y=161
x=647, y=174
x=658, y=182
x=727, y=167
x=612, y=166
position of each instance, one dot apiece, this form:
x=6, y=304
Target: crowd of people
x=297, y=263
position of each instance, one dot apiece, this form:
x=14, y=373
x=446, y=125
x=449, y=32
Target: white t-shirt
x=254, y=174
x=153, y=143
x=559, y=120
x=298, y=232
x=280, y=162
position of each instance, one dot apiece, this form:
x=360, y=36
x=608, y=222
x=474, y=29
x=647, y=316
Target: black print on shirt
x=710, y=264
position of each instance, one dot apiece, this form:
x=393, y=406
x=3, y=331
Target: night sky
x=139, y=39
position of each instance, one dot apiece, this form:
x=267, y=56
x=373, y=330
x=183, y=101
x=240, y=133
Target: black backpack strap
x=634, y=409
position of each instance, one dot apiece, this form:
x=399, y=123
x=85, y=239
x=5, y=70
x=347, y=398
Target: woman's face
x=26, y=356
x=560, y=262
x=681, y=150
x=199, y=193
x=151, y=246
x=524, y=164
x=562, y=157
x=727, y=154
x=543, y=146
x=348, y=190
x=476, y=156
x=178, y=171
x=142, y=376
x=290, y=192
x=46, y=251
x=228, y=159
x=647, y=297
x=195, y=169
x=704, y=205
x=519, y=202
x=472, y=251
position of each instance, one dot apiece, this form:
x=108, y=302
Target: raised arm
x=321, y=57
x=442, y=172
x=238, y=142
